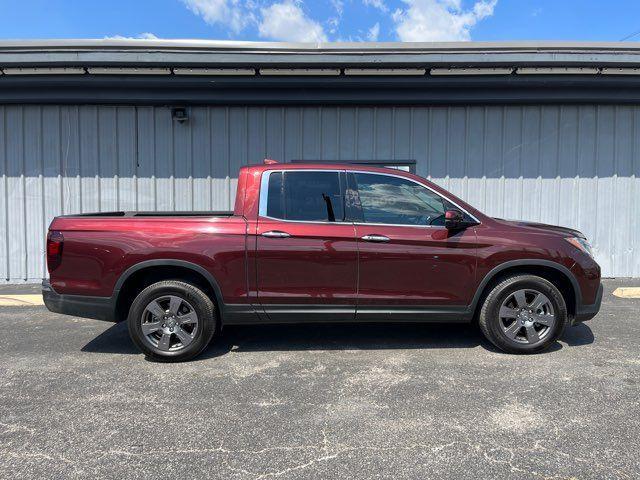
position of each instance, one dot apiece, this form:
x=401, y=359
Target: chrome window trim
x=264, y=184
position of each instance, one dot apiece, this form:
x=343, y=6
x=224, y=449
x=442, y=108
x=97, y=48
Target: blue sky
x=330, y=20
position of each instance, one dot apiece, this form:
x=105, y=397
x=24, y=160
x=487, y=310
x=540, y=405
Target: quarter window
x=373, y=198
x=305, y=196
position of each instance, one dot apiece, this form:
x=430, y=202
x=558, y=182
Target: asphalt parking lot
x=384, y=401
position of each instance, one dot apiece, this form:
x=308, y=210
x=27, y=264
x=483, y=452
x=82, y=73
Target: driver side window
x=373, y=198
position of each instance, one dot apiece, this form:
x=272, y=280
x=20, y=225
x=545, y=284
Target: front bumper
x=587, y=312
x=99, y=308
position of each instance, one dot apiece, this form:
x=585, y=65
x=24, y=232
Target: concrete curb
x=20, y=300
x=627, y=292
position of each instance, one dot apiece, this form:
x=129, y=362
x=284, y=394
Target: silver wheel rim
x=169, y=323
x=527, y=316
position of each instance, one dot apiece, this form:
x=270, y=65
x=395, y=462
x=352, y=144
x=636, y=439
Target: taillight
x=55, y=241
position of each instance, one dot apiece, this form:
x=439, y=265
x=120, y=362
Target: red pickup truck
x=321, y=243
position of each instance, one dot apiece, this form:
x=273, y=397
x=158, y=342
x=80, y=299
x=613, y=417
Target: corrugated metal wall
x=568, y=165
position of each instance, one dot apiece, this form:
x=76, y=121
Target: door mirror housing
x=454, y=219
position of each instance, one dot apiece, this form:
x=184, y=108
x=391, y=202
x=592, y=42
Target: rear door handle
x=375, y=238
x=276, y=234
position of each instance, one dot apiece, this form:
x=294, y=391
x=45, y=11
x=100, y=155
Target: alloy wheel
x=169, y=323
x=527, y=316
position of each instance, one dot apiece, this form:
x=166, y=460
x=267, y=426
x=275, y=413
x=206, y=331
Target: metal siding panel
x=549, y=158
x=182, y=165
x=329, y=133
x=164, y=167
x=402, y=133
x=438, y=145
x=4, y=201
x=108, y=158
x=475, y=157
x=420, y=139
x=16, y=214
x=383, y=133
x=292, y=134
x=256, y=136
x=275, y=132
x=456, y=150
x=89, y=159
x=33, y=235
x=605, y=148
x=201, y=147
x=634, y=200
x=146, y=156
x=512, y=157
x=567, y=165
x=364, y=133
x=220, y=148
x=126, y=181
x=311, y=134
x=238, y=145
x=620, y=247
x=347, y=133
x=586, y=164
x=573, y=165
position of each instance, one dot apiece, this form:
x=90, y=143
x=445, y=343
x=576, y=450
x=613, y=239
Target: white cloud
x=334, y=22
x=379, y=4
x=143, y=36
x=338, y=5
x=372, y=34
x=439, y=20
x=287, y=21
x=228, y=12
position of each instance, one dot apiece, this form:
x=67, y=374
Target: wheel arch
x=556, y=273
x=142, y=274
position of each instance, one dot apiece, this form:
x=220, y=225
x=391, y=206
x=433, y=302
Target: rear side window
x=305, y=196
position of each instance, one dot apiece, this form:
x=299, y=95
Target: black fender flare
x=169, y=262
x=535, y=262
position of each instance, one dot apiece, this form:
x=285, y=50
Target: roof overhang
x=224, y=72
x=209, y=53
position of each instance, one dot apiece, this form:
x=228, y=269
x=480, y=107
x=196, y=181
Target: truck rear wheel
x=172, y=321
x=523, y=314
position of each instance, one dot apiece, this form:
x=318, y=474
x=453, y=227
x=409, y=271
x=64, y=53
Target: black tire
x=193, y=299
x=494, y=327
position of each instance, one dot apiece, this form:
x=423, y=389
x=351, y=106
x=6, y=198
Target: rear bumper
x=99, y=308
x=587, y=312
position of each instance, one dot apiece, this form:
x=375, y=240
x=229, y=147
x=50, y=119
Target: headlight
x=580, y=244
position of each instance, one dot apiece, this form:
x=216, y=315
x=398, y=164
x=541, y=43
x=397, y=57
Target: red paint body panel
x=318, y=264
x=97, y=251
x=419, y=266
x=321, y=263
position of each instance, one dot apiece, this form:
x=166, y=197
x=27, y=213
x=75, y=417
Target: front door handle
x=375, y=238
x=276, y=234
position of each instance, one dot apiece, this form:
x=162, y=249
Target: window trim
x=264, y=192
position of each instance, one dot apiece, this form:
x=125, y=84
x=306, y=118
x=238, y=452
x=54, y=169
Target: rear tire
x=523, y=314
x=172, y=321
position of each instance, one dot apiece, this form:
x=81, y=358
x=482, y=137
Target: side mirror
x=453, y=219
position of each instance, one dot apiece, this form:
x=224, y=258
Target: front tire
x=172, y=321
x=523, y=314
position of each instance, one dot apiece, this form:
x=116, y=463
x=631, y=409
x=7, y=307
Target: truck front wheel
x=172, y=321
x=523, y=314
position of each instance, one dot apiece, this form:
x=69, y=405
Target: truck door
x=410, y=265
x=306, y=253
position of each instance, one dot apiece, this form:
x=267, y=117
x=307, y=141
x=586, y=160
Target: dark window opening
x=305, y=196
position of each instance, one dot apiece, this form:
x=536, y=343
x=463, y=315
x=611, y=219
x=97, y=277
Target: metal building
x=543, y=132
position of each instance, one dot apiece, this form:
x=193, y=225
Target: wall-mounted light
x=180, y=114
